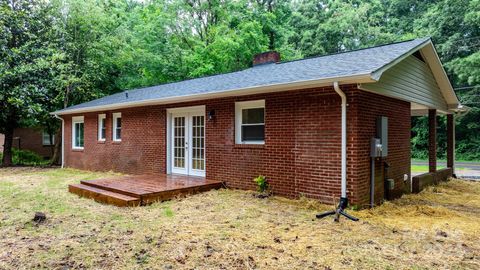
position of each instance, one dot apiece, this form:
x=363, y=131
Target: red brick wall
x=301, y=148
x=301, y=155
x=364, y=108
x=31, y=139
x=141, y=151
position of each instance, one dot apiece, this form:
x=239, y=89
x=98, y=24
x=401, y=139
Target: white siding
x=410, y=80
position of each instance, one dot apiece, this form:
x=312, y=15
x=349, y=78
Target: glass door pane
x=179, y=145
x=198, y=142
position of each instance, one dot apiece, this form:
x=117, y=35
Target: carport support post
x=451, y=142
x=432, y=141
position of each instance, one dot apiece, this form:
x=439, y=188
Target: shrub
x=26, y=157
x=262, y=184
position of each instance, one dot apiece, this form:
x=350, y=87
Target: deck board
x=148, y=188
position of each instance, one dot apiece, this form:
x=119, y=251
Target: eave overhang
x=352, y=79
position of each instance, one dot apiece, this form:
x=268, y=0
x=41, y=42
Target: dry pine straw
x=230, y=229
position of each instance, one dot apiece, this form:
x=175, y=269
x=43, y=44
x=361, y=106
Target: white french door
x=188, y=143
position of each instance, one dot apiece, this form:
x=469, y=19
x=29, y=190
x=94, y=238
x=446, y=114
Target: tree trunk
x=56, y=159
x=7, y=147
x=271, y=40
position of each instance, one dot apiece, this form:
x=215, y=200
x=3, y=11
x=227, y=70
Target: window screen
x=253, y=126
x=78, y=135
x=46, y=138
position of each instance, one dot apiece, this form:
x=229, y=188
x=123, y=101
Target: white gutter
x=344, y=137
x=63, y=139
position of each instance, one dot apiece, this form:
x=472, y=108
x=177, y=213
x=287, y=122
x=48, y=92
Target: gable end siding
x=410, y=80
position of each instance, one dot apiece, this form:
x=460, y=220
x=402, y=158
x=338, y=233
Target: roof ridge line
x=279, y=63
x=355, y=50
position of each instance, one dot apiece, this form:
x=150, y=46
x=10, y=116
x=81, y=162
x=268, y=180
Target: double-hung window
x=77, y=132
x=117, y=127
x=102, y=127
x=47, y=138
x=250, y=122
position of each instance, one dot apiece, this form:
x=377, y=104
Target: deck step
x=103, y=196
x=182, y=192
x=113, y=189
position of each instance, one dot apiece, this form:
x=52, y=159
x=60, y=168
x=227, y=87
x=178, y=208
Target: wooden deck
x=142, y=189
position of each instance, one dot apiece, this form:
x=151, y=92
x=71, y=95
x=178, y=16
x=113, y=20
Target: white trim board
x=201, y=108
x=239, y=106
x=101, y=117
x=75, y=120
x=116, y=116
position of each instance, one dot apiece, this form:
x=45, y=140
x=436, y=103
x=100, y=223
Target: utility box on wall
x=375, y=148
x=382, y=134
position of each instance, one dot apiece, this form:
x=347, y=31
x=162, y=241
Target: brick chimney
x=266, y=58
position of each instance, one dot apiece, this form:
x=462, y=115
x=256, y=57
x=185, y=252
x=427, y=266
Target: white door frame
x=188, y=112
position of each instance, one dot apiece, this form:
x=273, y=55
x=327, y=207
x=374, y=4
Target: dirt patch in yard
x=230, y=229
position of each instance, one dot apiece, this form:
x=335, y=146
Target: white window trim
x=75, y=120
x=43, y=137
x=115, y=116
x=239, y=106
x=99, y=127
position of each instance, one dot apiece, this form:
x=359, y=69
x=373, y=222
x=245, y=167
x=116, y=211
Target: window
x=102, y=127
x=250, y=122
x=77, y=132
x=46, y=137
x=117, y=127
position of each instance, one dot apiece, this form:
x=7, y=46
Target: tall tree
x=24, y=46
x=333, y=25
x=83, y=66
x=454, y=26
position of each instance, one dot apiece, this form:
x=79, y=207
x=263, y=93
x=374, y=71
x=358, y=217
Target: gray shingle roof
x=363, y=61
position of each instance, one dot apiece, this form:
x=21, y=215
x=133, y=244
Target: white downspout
x=344, y=138
x=63, y=139
x=453, y=143
x=343, y=204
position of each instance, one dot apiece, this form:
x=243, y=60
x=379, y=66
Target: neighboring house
x=33, y=139
x=282, y=120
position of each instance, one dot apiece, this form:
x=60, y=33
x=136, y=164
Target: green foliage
x=169, y=212
x=25, y=46
x=27, y=158
x=262, y=183
x=454, y=26
x=333, y=26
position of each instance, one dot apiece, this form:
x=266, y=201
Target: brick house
x=34, y=139
x=306, y=124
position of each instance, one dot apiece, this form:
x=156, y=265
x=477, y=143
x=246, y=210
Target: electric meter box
x=375, y=148
x=382, y=134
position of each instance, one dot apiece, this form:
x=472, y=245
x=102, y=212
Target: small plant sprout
x=262, y=184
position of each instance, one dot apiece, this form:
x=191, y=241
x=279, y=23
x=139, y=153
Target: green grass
x=444, y=160
x=424, y=168
x=230, y=229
